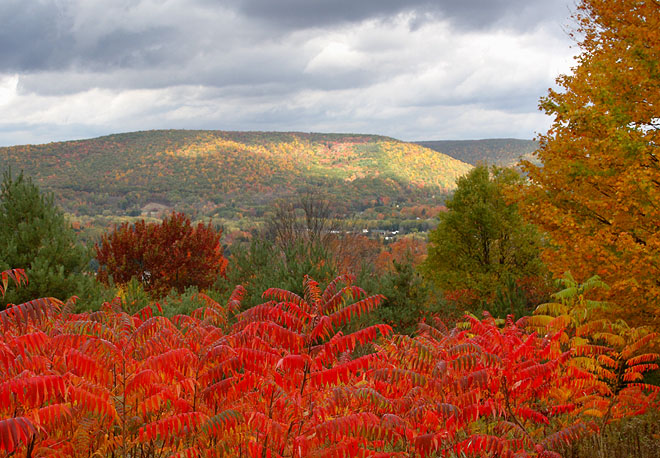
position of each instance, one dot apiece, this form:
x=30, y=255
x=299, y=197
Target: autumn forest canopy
x=180, y=293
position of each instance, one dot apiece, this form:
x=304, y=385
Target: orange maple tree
x=597, y=192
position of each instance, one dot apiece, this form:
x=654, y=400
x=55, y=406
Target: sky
x=409, y=69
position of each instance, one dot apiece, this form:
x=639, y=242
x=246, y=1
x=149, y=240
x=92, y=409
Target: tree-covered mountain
x=216, y=173
x=504, y=152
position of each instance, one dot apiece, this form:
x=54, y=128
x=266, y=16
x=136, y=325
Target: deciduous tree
x=597, y=190
x=481, y=239
x=172, y=254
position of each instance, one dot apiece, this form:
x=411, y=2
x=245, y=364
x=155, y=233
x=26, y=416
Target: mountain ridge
x=220, y=172
x=504, y=152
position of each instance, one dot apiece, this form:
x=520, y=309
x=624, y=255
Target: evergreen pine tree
x=35, y=236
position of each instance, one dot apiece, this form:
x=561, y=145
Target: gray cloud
x=31, y=35
x=406, y=68
x=468, y=14
x=87, y=34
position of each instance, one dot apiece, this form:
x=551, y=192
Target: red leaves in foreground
x=167, y=429
x=14, y=432
x=285, y=381
x=17, y=275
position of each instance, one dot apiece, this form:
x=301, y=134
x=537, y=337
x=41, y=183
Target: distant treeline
x=505, y=152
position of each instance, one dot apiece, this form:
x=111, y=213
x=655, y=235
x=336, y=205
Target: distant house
x=154, y=210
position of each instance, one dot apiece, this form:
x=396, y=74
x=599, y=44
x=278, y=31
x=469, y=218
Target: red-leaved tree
x=172, y=254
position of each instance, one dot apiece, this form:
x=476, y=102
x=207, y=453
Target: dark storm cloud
x=469, y=14
x=33, y=35
x=130, y=49
x=45, y=34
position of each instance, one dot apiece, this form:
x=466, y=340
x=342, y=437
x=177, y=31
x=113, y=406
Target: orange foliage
x=405, y=249
x=597, y=193
x=353, y=251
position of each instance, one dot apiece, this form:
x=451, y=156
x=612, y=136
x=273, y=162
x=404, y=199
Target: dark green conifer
x=35, y=236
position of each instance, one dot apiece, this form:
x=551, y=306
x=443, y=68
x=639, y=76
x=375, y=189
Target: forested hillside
x=525, y=324
x=214, y=173
x=504, y=152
